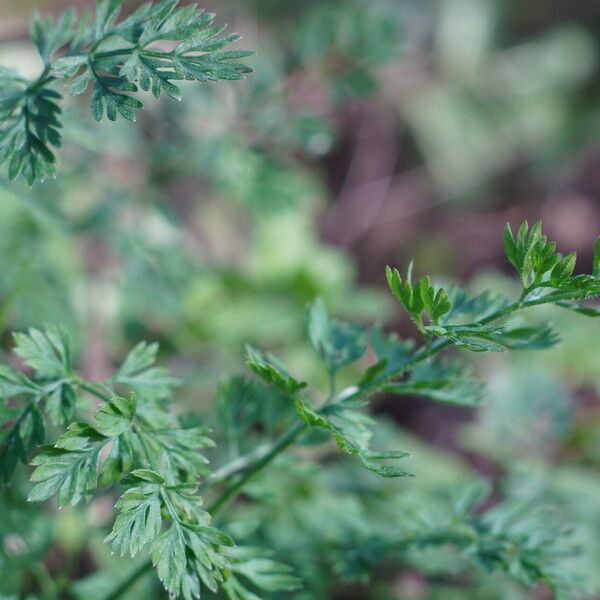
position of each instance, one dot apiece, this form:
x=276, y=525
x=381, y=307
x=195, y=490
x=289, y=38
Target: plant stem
x=235, y=466
x=91, y=388
x=288, y=438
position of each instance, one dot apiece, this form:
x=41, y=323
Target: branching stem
x=287, y=439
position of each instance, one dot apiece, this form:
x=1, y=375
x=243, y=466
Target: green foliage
x=133, y=444
x=136, y=443
x=336, y=343
x=439, y=382
x=271, y=370
x=328, y=516
x=524, y=539
x=546, y=277
x=352, y=433
x=188, y=553
x=140, y=374
x=120, y=59
x=70, y=467
x=541, y=268
x=478, y=337
x=254, y=569
x=364, y=38
x=420, y=298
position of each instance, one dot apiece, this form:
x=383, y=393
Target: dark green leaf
x=48, y=353
x=441, y=383
x=337, y=343
x=351, y=430
x=271, y=370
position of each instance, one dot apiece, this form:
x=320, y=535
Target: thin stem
x=286, y=440
x=92, y=389
x=117, y=52
x=235, y=466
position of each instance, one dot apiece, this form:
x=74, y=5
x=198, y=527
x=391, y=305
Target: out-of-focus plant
x=124, y=434
x=118, y=58
x=133, y=441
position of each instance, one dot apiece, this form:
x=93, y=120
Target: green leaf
x=524, y=539
x=121, y=58
x=70, y=468
x=547, y=276
x=49, y=35
x=271, y=370
x=107, y=12
x=48, y=353
x=139, y=373
x=168, y=556
x=563, y=269
x=14, y=383
x=171, y=449
x=119, y=461
x=439, y=382
x=253, y=570
x=110, y=99
x=423, y=297
x=29, y=126
x=474, y=337
x=60, y=404
x=139, y=520
x=351, y=430
x=393, y=354
x=477, y=337
x=470, y=310
x=530, y=253
x=114, y=417
x=145, y=66
x=587, y=311
x=18, y=439
x=336, y=343
x=80, y=84
x=151, y=74
x=596, y=259
x=68, y=66
x=190, y=552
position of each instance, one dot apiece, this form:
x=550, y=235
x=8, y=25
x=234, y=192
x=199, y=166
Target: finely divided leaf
x=48, y=353
x=271, y=370
x=351, y=430
x=253, y=570
x=70, y=468
x=440, y=382
x=115, y=416
x=477, y=337
x=139, y=520
x=138, y=372
x=337, y=343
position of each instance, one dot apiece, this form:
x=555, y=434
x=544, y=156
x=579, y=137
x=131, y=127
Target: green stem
x=118, y=52
x=240, y=463
x=92, y=389
x=286, y=440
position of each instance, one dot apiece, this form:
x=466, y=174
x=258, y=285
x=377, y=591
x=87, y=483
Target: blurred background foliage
x=372, y=132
